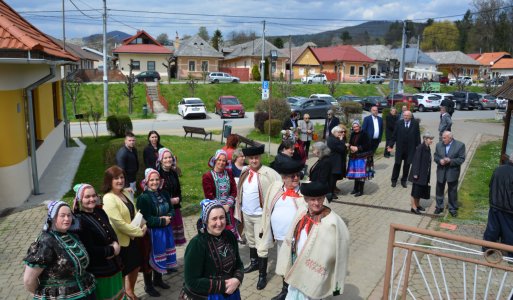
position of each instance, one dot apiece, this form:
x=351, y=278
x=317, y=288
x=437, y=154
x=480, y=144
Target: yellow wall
x=13, y=131
x=183, y=66
x=43, y=107
x=59, y=100
x=143, y=58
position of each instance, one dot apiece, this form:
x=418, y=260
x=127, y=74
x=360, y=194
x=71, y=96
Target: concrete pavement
x=368, y=218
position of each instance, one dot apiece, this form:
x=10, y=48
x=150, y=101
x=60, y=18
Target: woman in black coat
x=421, y=172
x=321, y=170
x=361, y=163
x=151, y=151
x=337, y=145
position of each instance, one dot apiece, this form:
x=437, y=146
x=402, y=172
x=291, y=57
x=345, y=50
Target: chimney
x=177, y=41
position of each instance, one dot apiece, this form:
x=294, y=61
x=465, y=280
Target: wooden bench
x=248, y=142
x=198, y=130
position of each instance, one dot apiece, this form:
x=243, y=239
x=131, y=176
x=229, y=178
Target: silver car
x=218, y=77
x=487, y=101
x=372, y=79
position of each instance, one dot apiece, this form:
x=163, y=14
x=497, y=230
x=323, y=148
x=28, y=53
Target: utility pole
x=262, y=62
x=105, y=64
x=290, y=59
x=400, y=87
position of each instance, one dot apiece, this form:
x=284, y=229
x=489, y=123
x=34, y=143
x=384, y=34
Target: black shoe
x=353, y=192
x=283, y=293
x=358, y=194
x=415, y=211
x=334, y=197
x=403, y=184
x=438, y=211
x=420, y=208
x=148, y=285
x=262, y=273
x=253, y=265
x=454, y=214
x=394, y=183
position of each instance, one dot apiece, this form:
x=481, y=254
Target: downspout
x=67, y=133
x=32, y=134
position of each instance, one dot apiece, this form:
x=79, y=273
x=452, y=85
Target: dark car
x=349, y=98
x=408, y=99
x=378, y=101
x=229, y=107
x=293, y=99
x=316, y=108
x=148, y=76
x=465, y=100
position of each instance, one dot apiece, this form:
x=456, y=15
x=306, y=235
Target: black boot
x=253, y=265
x=148, y=285
x=262, y=273
x=359, y=189
x=355, y=188
x=157, y=281
x=283, y=294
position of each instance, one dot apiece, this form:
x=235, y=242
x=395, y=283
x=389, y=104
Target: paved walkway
x=368, y=218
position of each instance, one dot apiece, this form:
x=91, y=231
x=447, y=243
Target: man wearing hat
x=313, y=257
x=254, y=182
x=281, y=203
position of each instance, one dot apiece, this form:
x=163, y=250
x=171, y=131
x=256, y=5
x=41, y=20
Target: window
x=360, y=71
x=273, y=67
x=245, y=64
x=204, y=66
x=151, y=66
x=136, y=65
x=192, y=66
x=352, y=70
x=301, y=71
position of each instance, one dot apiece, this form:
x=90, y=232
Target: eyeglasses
x=343, y=131
x=293, y=175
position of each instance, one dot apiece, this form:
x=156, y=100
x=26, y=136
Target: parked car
x=428, y=102
x=219, y=77
x=192, y=107
x=498, y=80
x=315, y=78
x=229, y=107
x=378, y=101
x=465, y=80
x=316, y=108
x=153, y=76
x=443, y=79
x=487, y=101
x=293, y=99
x=326, y=97
x=408, y=99
x=349, y=98
x=372, y=79
x=465, y=100
x=501, y=103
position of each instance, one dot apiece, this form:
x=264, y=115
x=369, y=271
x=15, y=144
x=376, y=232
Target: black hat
x=314, y=189
x=287, y=165
x=252, y=151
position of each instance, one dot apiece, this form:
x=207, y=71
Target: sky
x=283, y=17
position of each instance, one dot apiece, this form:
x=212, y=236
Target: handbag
x=315, y=136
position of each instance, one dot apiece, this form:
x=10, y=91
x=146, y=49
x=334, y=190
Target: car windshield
x=230, y=101
x=328, y=98
x=490, y=97
x=433, y=98
x=193, y=101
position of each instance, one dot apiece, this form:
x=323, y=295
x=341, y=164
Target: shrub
x=280, y=110
x=349, y=111
x=118, y=125
x=275, y=127
x=255, y=73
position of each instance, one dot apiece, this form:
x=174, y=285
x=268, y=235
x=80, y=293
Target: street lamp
x=273, y=54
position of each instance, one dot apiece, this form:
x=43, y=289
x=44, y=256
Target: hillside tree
x=464, y=26
x=346, y=37
x=440, y=36
x=217, y=39
x=203, y=33
x=239, y=37
x=278, y=42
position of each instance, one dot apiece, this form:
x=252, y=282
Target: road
x=171, y=123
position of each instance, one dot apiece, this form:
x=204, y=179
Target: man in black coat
x=390, y=122
x=126, y=159
x=330, y=122
x=449, y=105
x=406, y=137
x=500, y=215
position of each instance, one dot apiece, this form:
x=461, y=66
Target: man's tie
x=251, y=173
x=407, y=124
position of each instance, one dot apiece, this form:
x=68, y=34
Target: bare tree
x=95, y=117
x=170, y=61
x=73, y=89
x=129, y=91
x=332, y=87
x=192, y=83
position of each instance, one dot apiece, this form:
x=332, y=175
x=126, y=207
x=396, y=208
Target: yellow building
x=31, y=106
x=306, y=64
x=195, y=57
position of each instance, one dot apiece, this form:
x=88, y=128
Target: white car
x=192, y=107
x=372, y=79
x=465, y=80
x=315, y=78
x=428, y=102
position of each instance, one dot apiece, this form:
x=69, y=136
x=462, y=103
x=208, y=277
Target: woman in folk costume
x=361, y=165
x=213, y=268
x=165, y=162
x=313, y=257
x=157, y=210
x=219, y=184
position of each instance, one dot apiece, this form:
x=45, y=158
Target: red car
x=229, y=107
x=408, y=99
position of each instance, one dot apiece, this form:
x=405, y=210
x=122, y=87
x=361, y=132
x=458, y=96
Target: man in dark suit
x=449, y=155
x=330, y=122
x=290, y=124
x=373, y=126
x=407, y=138
x=390, y=123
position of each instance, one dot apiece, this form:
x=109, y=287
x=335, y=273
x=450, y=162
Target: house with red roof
x=488, y=60
x=503, y=67
x=145, y=52
x=342, y=63
x=32, y=109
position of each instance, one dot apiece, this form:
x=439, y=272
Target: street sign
x=265, y=85
x=265, y=93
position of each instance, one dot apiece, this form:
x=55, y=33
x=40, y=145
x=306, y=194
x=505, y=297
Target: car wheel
x=324, y=82
x=216, y=81
x=204, y=116
x=155, y=79
x=368, y=81
x=381, y=82
x=235, y=81
x=421, y=108
x=458, y=106
x=309, y=81
x=480, y=107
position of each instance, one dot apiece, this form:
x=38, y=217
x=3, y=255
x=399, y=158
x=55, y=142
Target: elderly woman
x=100, y=241
x=56, y=262
x=213, y=268
x=306, y=130
x=238, y=163
x=171, y=184
x=156, y=208
x=151, y=151
x=119, y=206
x=361, y=164
x=321, y=170
x=219, y=184
x=420, y=173
x=337, y=144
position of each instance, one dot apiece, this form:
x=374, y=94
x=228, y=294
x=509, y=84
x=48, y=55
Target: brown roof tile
x=491, y=57
x=504, y=63
x=341, y=53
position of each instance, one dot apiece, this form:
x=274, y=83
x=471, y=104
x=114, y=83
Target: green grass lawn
x=473, y=193
x=193, y=155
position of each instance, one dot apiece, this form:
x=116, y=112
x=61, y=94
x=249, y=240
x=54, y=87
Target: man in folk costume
x=313, y=258
x=281, y=203
x=254, y=183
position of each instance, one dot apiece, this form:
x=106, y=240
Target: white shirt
x=251, y=197
x=283, y=216
x=376, y=127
